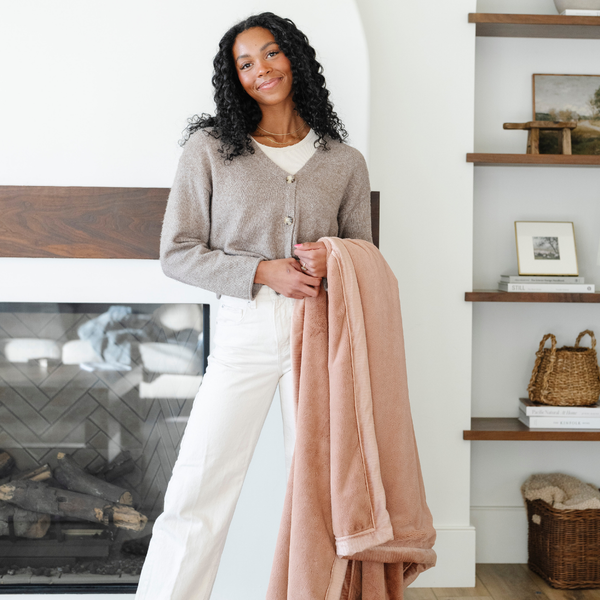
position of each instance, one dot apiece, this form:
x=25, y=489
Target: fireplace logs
x=26, y=523
x=27, y=503
x=74, y=478
x=38, y=474
x=38, y=497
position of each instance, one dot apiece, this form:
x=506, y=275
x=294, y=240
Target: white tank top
x=292, y=158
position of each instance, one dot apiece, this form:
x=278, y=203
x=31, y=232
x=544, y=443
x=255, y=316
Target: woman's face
x=263, y=69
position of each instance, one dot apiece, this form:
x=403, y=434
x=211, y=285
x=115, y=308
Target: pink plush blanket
x=356, y=525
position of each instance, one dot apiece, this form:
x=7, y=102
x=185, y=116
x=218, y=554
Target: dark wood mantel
x=81, y=222
x=90, y=222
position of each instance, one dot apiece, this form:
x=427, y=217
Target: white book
x=559, y=422
x=578, y=12
x=540, y=279
x=531, y=409
x=553, y=288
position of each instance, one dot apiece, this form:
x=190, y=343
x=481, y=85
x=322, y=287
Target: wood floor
x=502, y=582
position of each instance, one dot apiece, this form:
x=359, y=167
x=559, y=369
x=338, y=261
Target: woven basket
x=564, y=545
x=567, y=376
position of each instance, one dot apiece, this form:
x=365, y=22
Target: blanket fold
x=356, y=523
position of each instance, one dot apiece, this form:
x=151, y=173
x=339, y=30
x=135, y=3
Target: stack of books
x=543, y=283
x=541, y=416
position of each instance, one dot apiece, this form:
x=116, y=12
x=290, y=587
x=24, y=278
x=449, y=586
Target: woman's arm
x=184, y=251
x=354, y=216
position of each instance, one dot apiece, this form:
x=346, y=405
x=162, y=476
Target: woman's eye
x=244, y=66
x=273, y=53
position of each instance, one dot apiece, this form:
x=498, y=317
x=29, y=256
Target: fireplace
x=94, y=400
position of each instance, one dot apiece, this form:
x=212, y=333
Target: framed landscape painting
x=568, y=98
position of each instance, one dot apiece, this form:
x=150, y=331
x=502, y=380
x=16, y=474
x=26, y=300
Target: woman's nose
x=263, y=68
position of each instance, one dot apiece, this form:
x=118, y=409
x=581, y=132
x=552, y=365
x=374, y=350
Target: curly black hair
x=237, y=114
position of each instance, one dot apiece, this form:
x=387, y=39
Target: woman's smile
x=269, y=84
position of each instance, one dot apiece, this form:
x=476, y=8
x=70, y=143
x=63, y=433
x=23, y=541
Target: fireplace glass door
x=94, y=400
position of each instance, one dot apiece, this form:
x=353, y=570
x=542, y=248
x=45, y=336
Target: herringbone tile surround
x=50, y=408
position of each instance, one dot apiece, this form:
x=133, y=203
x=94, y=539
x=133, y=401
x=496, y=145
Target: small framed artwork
x=568, y=98
x=546, y=248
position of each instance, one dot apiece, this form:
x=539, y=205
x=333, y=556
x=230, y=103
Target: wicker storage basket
x=564, y=545
x=566, y=376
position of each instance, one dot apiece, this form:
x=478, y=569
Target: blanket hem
x=351, y=544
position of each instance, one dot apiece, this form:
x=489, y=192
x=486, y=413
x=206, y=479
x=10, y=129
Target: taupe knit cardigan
x=222, y=218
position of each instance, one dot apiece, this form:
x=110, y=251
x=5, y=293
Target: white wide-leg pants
x=250, y=358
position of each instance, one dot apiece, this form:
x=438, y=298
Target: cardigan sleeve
x=354, y=216
x=185, y=253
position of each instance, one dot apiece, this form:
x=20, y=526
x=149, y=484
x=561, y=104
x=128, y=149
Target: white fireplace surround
x=96, y=280
x=93, y=280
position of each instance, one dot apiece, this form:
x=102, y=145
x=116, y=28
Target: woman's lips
x=267, y=85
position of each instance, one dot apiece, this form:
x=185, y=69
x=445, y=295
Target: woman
x=257, y=185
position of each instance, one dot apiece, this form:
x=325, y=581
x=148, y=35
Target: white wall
x=506, y=336
x=99, y=95
x=422, y=56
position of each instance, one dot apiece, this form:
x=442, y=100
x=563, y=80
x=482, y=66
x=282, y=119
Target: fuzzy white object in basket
x=560, y=491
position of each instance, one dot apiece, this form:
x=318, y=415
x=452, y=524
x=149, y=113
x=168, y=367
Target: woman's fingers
x=310, y=246
x=313, y=265
x=287, y=277
x=308, y=284
x=311, y=285
x=313, y=257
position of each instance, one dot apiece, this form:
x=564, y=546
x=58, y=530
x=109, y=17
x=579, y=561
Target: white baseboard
x=455, y=548
x=501, y=534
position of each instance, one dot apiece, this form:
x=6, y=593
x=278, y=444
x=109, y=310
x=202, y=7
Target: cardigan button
x=290, y=179
x=289, y=220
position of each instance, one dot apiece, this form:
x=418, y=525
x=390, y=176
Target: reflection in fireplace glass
x=94, y=400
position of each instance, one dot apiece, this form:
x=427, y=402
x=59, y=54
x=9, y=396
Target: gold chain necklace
x=278, y=143
x=281, y=143
x=290, y=133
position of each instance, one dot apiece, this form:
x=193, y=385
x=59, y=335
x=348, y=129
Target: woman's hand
x=286, y=277
x=313, y=257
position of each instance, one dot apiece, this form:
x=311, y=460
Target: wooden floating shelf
x=536, y=26
x=513, y=430
x=497, y=296
x=541, y=160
